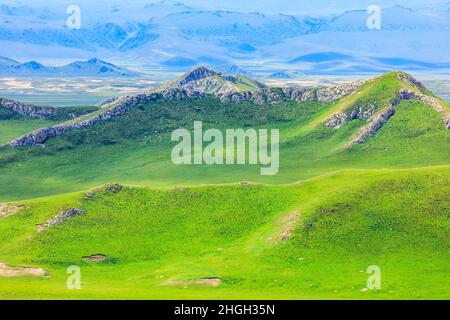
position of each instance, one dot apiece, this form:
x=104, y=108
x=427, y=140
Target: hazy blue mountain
x=280, y=75
x=91, y=68
x=176, y=36
x=6, y=62
x=233, y=69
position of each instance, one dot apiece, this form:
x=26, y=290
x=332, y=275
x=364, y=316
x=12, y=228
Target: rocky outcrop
x=409, y=79
x=117, y=108
x=278, y=95
x=61, y=217
x=196, y=74
x=377, y=122
x=107, y=101
x=28, y=110
x=434, y=102
x=379, y=119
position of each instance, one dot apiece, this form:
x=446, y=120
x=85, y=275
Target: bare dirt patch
x=7, y=210
x=202, y=282
x=9, y=271
x=96, y=258
x=286, y=226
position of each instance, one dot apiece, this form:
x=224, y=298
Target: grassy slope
x=13, y=125
x=128, y=150
x=12, y=129
x=396, y=219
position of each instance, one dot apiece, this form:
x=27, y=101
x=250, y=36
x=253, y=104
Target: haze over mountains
x=176, y=36
x=91, y=68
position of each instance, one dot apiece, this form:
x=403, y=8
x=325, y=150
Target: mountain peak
x=198, y=73
x=204, y=80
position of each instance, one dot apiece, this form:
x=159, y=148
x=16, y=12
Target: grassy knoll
x=396, y=219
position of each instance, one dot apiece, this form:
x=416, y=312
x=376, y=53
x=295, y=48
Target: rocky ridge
x=377, y=118
x=198, y=83
x=183, y=89
x=28, y=110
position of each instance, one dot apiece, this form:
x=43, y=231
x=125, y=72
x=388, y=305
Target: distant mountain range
x=174, y=36
x=91, y=68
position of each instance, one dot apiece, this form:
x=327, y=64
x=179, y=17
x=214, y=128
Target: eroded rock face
x=378, y=119
x=116, y=108
x=28, y=110
x=61, y=217
x=377, y=122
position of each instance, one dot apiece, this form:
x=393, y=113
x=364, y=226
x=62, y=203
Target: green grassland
x=395, y=219
x=13, y=125
x=12, y=129
x=309, y=232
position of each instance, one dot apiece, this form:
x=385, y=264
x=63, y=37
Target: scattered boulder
x=89, y=195
x=309, y=224
x=114, y=188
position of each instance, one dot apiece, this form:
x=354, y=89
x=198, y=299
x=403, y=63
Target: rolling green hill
x=339, y=204
x=309, y=240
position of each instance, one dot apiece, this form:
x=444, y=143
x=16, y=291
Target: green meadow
x=309, y=232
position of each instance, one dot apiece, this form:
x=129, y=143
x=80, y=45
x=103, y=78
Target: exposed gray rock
x=61, y=217
x=28, y=110
x=107, y=101
x=196, y=84
x=379, y=119
x=377, y=122
x=435, y=103
x=409, y=79
x=196, y=74
x=116, y=108
x=331, y=94
x=114, y=188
